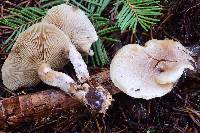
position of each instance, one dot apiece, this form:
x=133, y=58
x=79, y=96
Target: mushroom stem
x=54, y=78
x=96, y=97
x=79, y=64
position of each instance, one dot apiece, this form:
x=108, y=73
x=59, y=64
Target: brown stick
x=34, y=107
x=41, y=105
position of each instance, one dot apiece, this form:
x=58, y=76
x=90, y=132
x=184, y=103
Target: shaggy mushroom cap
x=40, y=43
x=75, y=24
x=150, y=71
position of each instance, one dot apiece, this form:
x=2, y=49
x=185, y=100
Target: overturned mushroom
x=150, y=71
x=40, y=49
x=75, y=24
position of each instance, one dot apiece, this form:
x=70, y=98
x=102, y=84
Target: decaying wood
x=34, y=107
x=41, y=105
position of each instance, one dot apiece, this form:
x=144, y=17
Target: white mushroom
x=40, y=43
x=37, y=51
x=150, y=71
x=75, y=24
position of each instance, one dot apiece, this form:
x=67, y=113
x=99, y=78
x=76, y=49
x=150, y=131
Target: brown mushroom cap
x=150, y=71
x=75, y=24
x=40, y=43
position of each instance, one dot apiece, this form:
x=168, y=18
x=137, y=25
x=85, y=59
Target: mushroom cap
x=150, y=71
x=75, y=24
x=40, y=43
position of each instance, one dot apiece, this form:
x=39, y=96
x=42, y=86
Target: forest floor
x=178, y=111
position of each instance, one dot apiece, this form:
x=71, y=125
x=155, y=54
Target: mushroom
x=150, y=71
x=40, y=49
x=75, y=24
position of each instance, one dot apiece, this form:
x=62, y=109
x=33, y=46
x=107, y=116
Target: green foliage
x=100, y=57
x=91, y=6
x=103, y=27
x=46, y=4
x=19, y=20
x=136, y=12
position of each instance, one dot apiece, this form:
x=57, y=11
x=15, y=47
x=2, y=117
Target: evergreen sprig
x=100, y=57
x=91, y=6
x=46, y=4
x=136, y=12
x=19, y=20
x=104, y=28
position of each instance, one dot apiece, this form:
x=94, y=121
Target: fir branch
x=136, y=12
x=100, y=57
x=19, y=20
x=107, y=30
x=103, y=28
x=47, y=4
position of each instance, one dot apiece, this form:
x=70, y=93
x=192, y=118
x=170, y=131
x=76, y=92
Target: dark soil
x=178, y=111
